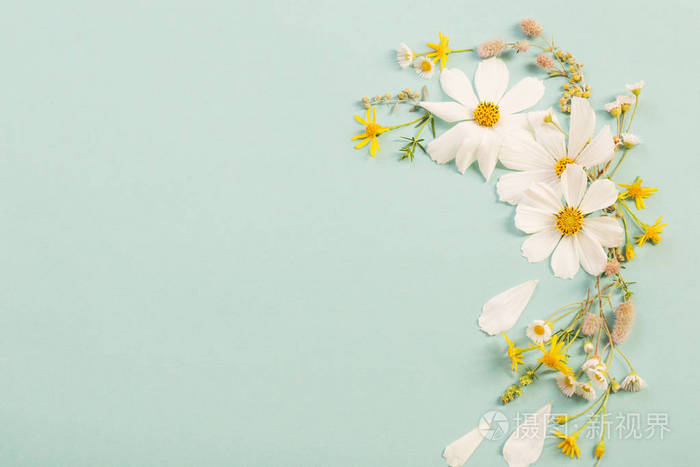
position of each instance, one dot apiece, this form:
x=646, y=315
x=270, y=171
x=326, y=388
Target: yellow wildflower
x=629, y=251
x=515, y=354
x=372, y=130
x=651, y=233
x=555, y=357
x=568, y=445
x=636, y=191
x=441, y=50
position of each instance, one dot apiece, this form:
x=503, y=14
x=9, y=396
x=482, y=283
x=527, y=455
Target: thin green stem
x=624, y=154
x=404, y=124
x=625, y=357
x=634, y=111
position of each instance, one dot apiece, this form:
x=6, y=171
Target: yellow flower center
x=561, y=164
x=635, y=191
x=569, y=221
x=487, y=114
x=550, y=360
x=426, y=65
x=539, y=330
x=372, y=129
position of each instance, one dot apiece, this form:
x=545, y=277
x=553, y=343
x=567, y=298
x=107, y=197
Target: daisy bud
x=521, y=46
x=615, y=386
x=624, y=318
x=633, y=382
x=613, y=108
x=588, y=347
x=600, y=449
x=590, y=325
x=629, y=252
x=625, y=102
x=548, y=118
x=365, y=99
x=612, y=268
x=545, y=62
x=630, y=140
x=561, y=419
x=635, y=88
x=491, y=48
x=530, y=27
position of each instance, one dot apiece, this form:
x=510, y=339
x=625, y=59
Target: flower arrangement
x=566, y=200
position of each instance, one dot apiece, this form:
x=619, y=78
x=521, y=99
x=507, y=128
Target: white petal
x=530, y=219
x=573, y=184
x=520, y=151
x=581, y=125
x=511, y=186
x=487, y=153
x=444, y=148
x=456, y=85
x=513, y=122
x=491, y=80
x=502, y=312
x=539, y=246
x=547, y=134
x=466, y=154
x=526, y=93
x=590, y=252
x=448, y=111
x=565, y=259
x=457, y=453
x=600, y=149
x=525, y=445
x=601, y=194
x=607, y=230
x=543, y=197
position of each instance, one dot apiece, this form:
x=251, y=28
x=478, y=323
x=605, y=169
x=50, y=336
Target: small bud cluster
x=407, y=95
x=511, y=394
x=572, y=69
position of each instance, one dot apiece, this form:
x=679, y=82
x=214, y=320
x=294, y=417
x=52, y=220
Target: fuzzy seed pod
x=591, y=323
x=544, y=61
x=612, y=268
x=624, y=317
x=530, y=27
x=491, y=48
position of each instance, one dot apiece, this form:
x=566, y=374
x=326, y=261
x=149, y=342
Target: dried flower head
x=624, y=317
x=635, y=88
x=591, y=323
x=633, y=382
x=630, y=140
x=530, y=27
x=614, y=108
x=545, y=62
x=612, y=268
x=625, y=101
x=521, y=46
x=491, y=48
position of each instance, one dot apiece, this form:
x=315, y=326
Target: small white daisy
x=404, y=55
x=633, y=382
x=598, y=378
x=635, y=88
x=586, y=391
x=566, y=383
x=613, y=108
x=625, y=101
x=424, y=67
x=630, y=140
x=593, y=363
x=539, y=331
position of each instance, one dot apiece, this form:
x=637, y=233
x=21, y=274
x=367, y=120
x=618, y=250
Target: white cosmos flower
x=404, y=55
x=545, y=157
x=539, y=331
x=578, y=238
x=586, y=391
x=633, y=382
x=424, y=67
x=566, y=383
x=486, y=120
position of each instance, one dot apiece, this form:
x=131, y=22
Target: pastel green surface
x=199, y=269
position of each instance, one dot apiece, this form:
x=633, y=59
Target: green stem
x=634, y=111
x=452, y=51
x=618, y=163
x=404, y=124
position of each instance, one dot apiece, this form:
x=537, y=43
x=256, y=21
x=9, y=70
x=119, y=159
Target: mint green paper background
x=199, y=270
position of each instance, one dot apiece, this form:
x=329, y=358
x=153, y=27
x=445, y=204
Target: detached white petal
x=525, y=445
x=457, y=453
x=502, y=312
